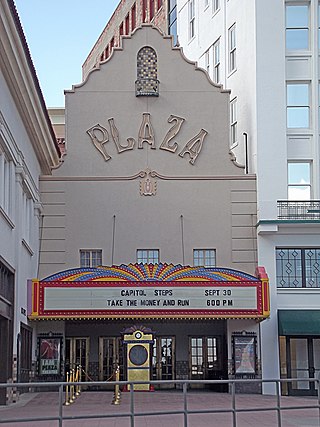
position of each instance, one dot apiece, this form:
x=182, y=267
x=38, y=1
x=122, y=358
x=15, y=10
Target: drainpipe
x=246, y=152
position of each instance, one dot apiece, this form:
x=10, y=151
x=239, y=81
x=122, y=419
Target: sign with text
x=49, y=356
x=156, y=299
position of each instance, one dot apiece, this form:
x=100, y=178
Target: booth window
x=147, y=83
x=90, y=258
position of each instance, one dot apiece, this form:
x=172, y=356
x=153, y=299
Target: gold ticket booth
x=138, y=349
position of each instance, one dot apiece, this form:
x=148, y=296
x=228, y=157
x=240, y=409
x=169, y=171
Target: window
x=172, y=30
x=299, y=183
x=121, y=30
x=90, y=258
x=28, y=217
x=298, y=110
x=147, y=83
x=207, y=60
x=206, y=3
x=319, y=103
x=6, y=183
x=151, y=8
x=159, y=4
x=216, y=61
x=232, y=48
x=148, y=256
x=191, y=19
x=25, y=353
x=204, y=257
x=133, y=17
x=6, y=283
x=298, y=267
x=233, y=121
x=127, y=24
x=215, y=5
x=111, y=44
x=297, y=27
x=319, y=27
x=144, y=10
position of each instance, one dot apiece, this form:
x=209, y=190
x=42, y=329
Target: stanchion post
x=72, y=394
x=78, y=378
x=67, y=402
x=117, y=393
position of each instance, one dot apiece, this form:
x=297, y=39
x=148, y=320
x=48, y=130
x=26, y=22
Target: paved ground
x=93, y=403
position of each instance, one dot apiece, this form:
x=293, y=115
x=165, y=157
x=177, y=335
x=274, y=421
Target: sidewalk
x=93, y=403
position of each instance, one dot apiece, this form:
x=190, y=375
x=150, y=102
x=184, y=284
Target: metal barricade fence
x=184, y=388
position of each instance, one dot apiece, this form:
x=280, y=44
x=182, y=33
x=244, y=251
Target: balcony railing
x=299, y=209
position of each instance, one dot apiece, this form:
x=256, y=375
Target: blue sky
x=60, y=35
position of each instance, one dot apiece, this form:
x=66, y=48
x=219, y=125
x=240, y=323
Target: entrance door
x=110, y=355
x=303, y=361
x=206, y=359
x=77, y=353
x=163, y=360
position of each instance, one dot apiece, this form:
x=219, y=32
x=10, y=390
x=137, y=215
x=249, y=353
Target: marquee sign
x=150, y=291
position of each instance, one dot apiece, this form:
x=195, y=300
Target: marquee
x=149, y=291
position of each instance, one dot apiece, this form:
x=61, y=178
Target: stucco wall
x=89, y=199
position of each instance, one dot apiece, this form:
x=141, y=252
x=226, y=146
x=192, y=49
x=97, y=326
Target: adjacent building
x=128, y=15
x=267, y=54
x=27, y=149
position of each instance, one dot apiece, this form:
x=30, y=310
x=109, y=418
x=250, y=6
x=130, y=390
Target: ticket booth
x=138, y=343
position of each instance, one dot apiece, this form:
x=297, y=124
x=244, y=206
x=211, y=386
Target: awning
x=162, y=291
x=299, y=322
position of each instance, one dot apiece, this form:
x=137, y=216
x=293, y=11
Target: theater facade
x=148, y=241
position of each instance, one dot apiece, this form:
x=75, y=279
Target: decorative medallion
x=148, y=185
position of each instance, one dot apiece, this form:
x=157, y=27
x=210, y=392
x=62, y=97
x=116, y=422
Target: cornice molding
x=153, y=174
x=20, y=76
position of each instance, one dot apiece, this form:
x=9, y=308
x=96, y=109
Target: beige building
x=148, y=187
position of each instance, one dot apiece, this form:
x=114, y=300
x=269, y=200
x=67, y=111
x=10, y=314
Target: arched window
x=147, y=83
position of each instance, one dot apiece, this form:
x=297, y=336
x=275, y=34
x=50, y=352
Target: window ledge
x=25, y=244
x=298, y=290
x=216, y=12
x=290, y=53
x=299, y=131
x=231, y=73
x=234, y=145
x=7, y=218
